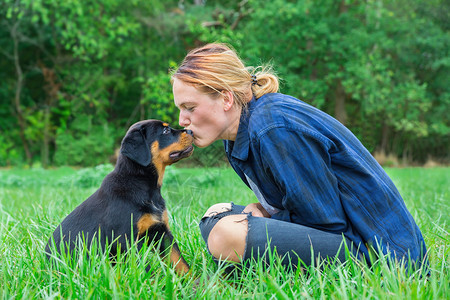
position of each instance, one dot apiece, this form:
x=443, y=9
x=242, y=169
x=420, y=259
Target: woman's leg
x=231, y=233
x=233, y=236
x=227, y=239
x=292, y=242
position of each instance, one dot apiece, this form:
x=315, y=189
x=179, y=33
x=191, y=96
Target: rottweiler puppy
x=128, y=206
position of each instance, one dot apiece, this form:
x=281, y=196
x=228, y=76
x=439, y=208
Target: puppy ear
x=135, y=147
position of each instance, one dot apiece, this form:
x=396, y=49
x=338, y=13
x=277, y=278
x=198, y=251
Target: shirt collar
x=241, y=145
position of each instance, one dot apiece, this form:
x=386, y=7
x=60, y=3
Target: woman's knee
x=217, y=209
x=227, y=240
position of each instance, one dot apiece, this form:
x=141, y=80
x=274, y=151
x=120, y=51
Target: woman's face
x=210, y=119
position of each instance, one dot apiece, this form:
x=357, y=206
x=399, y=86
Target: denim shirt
x=311, y=170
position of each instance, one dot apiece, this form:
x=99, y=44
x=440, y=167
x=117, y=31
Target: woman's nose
x=182, y=120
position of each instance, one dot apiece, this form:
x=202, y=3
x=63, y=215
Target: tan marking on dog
x=160, y=157
x=145, y=222
x=166, y=124
x=184, y=141
x=158, y=161
x=176, y=259
x=165, y=218
x=180, y=266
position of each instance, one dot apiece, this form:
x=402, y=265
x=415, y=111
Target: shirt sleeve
x=300, y=165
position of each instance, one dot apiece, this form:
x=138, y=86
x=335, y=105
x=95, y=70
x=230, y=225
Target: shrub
x=84, y=144
x=88, y=177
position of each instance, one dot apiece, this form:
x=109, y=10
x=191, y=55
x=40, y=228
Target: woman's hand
x=257, y=210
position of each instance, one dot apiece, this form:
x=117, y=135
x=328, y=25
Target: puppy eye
x=166, y=130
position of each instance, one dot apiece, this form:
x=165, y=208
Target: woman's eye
x=166, y=130
x=190, y=109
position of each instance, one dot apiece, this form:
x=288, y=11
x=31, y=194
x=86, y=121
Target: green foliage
x=84, y=143
x=175, y=176
x=385, y=62
x=35, y=177
x=87, y=177
x=157, y=98
x=8, y=154
x=378, y=54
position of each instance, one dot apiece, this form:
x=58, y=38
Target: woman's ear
x=228, y=100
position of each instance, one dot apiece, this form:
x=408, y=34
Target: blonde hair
x=215, y=68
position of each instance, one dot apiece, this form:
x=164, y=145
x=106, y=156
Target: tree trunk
x=339, y=107
x=17, y=105
x=45, y=153
x=51, y=88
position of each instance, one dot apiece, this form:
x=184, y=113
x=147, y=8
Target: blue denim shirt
x=313, y=171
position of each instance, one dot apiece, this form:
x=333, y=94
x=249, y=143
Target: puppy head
x=153, y=141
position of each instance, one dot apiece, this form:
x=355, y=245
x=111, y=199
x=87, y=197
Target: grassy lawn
x=33, y=202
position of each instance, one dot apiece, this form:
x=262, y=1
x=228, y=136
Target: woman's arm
x=300, y=165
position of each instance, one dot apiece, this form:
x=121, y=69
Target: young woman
x=316, y=184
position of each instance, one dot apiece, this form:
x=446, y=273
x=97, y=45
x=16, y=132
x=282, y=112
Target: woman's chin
x=201, y=144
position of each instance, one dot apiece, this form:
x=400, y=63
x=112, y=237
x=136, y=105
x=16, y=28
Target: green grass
x=33, y=202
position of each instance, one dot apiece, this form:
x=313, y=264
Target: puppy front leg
x=168, y=247
x=181, y=266
x=175, y=257
x=157, y=229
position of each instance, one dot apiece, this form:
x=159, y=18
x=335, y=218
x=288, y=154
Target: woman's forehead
x=185, y=94
x=182, y=89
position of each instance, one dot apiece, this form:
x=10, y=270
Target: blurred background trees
x=75, y=74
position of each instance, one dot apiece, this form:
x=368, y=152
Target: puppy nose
x=188, y=131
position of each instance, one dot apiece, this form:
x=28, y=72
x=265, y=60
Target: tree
x=80, y=72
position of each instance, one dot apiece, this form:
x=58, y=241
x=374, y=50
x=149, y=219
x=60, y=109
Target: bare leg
x=228, y=237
